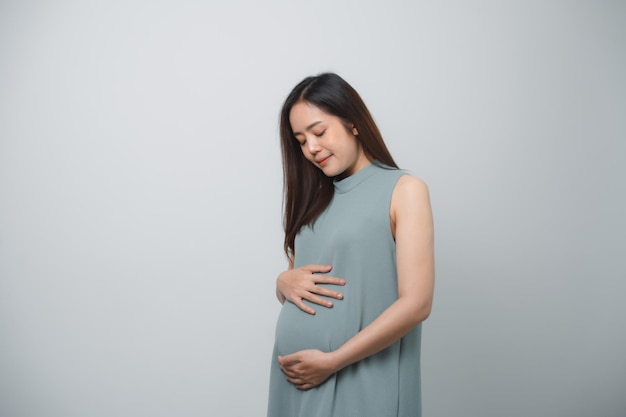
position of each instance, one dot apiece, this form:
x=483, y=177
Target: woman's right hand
x=298, y=284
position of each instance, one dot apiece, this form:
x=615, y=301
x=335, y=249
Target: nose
x=313, y=144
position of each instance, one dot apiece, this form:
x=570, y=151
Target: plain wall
x=141, y=186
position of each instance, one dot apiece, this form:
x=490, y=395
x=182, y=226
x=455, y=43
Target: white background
x=140, y=196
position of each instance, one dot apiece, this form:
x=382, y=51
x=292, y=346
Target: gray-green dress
x=353, y=235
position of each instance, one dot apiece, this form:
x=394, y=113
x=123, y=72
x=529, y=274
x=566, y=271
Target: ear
x=355, y=132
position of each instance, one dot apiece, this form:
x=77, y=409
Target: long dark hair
x=307, y=190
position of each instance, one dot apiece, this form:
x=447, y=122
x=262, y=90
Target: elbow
x=416, y=309
x=424, y=313
x=427, y=311
x=421, y=312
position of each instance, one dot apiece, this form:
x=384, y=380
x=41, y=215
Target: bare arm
x=412, y=224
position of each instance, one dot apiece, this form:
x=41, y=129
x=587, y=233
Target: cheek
x=305, y=152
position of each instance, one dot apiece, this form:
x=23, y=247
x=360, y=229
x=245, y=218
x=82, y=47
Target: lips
x=322, y=161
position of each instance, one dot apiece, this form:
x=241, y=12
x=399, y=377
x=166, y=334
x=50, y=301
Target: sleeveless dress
x=354, y=236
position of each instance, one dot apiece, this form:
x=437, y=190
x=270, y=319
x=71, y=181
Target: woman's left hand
x=307, y=368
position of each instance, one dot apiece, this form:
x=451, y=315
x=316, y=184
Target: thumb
x=288, y=359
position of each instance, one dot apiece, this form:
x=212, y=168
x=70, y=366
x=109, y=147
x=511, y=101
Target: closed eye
x=300, y=138
x=319, y=135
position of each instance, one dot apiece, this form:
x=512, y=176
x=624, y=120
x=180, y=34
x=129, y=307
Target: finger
x=319, y=300
x=302, y=306
x=326, y=292
x=287, y=360
x=300, y=383
x=327, y=279
x=289, y=373
x=303, y=385
x=289, y=367
x=318, y=268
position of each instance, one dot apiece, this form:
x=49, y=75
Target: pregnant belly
x=327, y=330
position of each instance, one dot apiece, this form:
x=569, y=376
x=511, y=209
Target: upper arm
x=412, y=223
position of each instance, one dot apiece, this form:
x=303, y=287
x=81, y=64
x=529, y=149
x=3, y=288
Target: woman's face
x=326, y=141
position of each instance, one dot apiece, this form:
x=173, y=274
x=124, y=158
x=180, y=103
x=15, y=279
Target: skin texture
x=327, y=139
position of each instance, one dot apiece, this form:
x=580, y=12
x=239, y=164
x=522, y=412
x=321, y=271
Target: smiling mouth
x=323, y=160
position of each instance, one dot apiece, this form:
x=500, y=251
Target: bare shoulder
x=410, y=197
x=410, y=205
x=409, y=190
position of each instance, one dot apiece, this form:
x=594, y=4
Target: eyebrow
x=308, y=128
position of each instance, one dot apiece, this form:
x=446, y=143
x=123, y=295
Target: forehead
x=303, y=113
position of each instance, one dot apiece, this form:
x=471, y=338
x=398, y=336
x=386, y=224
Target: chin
x=329, y=172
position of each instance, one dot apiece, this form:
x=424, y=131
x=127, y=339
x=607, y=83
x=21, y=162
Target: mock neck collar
x=346, y=184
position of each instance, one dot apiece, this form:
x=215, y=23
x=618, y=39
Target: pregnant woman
x=353, y=222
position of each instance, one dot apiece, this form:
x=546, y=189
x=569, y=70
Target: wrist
x=337, y=361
